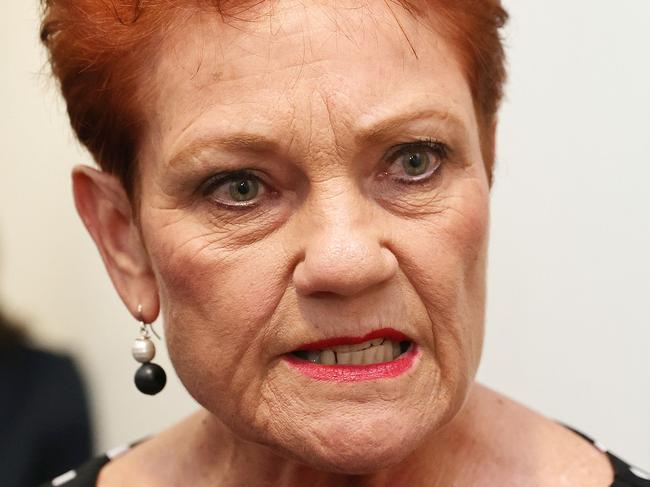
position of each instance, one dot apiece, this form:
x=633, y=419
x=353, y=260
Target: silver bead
x=143, y=350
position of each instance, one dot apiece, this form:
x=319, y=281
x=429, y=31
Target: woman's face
x=357, y=201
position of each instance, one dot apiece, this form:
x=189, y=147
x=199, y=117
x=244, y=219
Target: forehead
x=303, y=66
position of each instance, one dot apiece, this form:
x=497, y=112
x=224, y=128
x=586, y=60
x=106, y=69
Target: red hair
x=100, y=50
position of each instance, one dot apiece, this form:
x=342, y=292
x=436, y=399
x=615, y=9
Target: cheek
x=216, y=302
x=444, y=259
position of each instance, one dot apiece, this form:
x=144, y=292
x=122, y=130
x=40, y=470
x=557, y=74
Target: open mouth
x=380, y=354
x=375, y=351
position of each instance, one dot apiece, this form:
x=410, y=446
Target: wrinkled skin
x=335, y=250
x=311, y=99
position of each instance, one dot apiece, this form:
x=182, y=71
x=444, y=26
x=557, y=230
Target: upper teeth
x=358, y=346
x=370, y=352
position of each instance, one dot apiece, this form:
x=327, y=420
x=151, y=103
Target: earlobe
x=105, y=209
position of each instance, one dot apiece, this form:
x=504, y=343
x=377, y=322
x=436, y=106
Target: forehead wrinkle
x=377, y=130
x=331, y=121
x=348, y=22
x=306, y=28
x=401, y=28
x=292, y=130
x=236, y=142
x=328, y=92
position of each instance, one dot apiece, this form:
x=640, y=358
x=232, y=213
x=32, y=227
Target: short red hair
x=100, y=49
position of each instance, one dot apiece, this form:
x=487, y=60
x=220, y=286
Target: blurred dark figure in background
x=44, y=419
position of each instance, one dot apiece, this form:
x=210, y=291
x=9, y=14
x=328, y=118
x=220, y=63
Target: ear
x=105, y=208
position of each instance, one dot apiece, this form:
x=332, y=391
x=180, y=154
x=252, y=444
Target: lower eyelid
x=239, y=205
x=422, y=181
x=214, y=183
x=234, y=207
x=429, y=177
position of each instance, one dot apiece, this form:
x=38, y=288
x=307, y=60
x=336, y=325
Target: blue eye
x=417, y=160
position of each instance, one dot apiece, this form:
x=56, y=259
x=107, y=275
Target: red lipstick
x=353, y=373
x=388, y=333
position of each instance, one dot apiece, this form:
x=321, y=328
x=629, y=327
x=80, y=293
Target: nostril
x=341, y=279
x=343, y=268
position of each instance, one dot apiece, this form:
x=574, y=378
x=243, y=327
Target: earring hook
x=143, y=325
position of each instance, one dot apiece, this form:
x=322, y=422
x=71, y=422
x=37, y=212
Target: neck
x=450, y=456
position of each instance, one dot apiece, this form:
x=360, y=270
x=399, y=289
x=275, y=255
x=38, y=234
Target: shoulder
x=624, y=473
x=537, y=450
x=146, y=462
x=155, y=462
x=628, y=475
x=86, y=474
x=558, y=453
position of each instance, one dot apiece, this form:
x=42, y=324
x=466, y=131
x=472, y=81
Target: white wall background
x=569, y=281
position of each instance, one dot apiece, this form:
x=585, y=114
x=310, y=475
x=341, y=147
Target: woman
x=302, y=190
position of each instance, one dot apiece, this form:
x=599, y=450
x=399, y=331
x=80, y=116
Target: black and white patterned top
x=625, y=475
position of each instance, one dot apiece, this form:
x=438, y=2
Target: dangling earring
x=150, y=378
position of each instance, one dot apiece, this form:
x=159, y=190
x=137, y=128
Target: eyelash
x=440, y=152
x=216, y=181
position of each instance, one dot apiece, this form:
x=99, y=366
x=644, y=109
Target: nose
x=343, y=250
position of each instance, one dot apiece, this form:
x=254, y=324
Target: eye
x=419, y=161
x=235, y=189
x=244, y=189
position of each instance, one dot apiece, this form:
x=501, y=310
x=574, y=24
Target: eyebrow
x=373, y=132
x=383, y=129
x=236, y=142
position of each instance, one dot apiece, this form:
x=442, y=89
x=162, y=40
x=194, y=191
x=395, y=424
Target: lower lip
x=354, y=373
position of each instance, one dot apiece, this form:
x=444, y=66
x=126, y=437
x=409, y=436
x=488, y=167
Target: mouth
x=379, y=354
x=375, y=351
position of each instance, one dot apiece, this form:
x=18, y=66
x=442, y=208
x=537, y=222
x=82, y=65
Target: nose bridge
x=343, y=245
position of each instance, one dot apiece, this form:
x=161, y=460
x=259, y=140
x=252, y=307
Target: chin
x=356, y=447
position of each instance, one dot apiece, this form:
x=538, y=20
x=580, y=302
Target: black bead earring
x=150, y=378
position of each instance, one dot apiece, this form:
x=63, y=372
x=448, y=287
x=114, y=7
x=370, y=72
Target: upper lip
x=388, y=333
